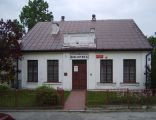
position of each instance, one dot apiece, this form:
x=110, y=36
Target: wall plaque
x=79, y=56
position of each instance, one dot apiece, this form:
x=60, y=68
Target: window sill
x=106, y=84
x=32, y=82
x=129, y=84
x=52, y=83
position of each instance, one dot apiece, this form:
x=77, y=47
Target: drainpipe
x=150, y=53
x=17, y=85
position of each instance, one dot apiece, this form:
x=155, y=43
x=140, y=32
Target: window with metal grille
x=129, y=71
x=53, y=71
x=106, y=71
x=32, y=71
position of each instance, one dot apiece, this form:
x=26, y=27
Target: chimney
x=93, y=17
x=62, y=18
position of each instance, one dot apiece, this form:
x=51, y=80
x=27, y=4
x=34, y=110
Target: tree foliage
x=152, y=41
x=10, y=33
x=35, y=11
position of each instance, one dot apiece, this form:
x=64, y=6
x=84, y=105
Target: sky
x=143, y=12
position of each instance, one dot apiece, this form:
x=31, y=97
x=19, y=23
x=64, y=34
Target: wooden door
x=79, y=76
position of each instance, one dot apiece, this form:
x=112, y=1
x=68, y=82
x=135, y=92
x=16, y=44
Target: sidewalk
x=76, y=100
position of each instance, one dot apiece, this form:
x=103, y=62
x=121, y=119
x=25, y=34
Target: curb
x=84, y=111
x=89, y=110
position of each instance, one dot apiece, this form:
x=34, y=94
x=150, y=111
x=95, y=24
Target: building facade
x=93, y=55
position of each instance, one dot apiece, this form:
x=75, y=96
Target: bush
x=117, y=98
x=47, y=96
x=4, y=88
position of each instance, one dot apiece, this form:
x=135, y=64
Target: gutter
x=150, y=53
x=17, y=83
x=73, y=50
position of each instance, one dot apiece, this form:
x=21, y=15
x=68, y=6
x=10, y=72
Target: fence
x=31, y=99
x=126, y=97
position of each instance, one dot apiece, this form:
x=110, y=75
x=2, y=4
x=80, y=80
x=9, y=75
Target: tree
x=10, y=33
x=152, y=41
x=35, y=11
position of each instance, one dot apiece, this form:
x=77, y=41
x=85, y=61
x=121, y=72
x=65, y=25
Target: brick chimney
x=93, y=17
x=62, y=18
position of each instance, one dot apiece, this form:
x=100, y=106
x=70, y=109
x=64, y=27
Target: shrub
x=47, y=96
x=4, y=88
x=117, y=98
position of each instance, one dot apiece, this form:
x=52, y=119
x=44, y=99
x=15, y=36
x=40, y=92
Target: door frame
x=73, y=71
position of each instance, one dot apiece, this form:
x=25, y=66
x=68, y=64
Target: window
x=53, y=70
x=80, y=40
x=92, y=30
x=129, y=71
x=106, y=71
x=32, y=71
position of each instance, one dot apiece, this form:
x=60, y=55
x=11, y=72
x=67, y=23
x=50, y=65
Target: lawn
x=66, y=94
x=22, y=98
x=96, y=98
x=99, y=99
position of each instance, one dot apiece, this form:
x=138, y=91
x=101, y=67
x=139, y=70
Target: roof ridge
x=88, y=20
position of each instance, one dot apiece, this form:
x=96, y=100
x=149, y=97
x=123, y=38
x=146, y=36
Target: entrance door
x=79, y=70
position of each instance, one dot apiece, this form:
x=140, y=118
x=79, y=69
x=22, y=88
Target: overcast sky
x=142, y=11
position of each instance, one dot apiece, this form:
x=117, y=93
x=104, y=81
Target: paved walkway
x=76, y=100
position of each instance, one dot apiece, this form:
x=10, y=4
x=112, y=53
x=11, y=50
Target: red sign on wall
x=99, y=56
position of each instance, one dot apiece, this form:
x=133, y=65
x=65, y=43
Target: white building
x=92, y=54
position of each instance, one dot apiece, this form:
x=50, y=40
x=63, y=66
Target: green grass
x=7, y=99
x=97, y=99
x=152, y=100
x=26, y=98
x=66, y=94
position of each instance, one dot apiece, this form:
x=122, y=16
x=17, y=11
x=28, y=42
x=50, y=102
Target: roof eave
x=70, y=50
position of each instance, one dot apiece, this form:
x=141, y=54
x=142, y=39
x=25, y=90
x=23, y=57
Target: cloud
x=10, y=9
x=142, y=11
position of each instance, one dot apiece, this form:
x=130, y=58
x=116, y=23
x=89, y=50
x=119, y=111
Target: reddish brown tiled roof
x=110, y=35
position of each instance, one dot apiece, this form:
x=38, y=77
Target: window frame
x=52, y=80
x=129, y=80
x=106, y=74
x=33, y=71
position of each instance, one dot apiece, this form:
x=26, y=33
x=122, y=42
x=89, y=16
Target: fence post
x=16, y=98
x=128, y=98
x=107, y=97
x=147, y=98
x=61, y=94
x=62, y=97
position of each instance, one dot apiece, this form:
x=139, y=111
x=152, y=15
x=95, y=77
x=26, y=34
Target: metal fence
x=30, y=99
x=127, y=97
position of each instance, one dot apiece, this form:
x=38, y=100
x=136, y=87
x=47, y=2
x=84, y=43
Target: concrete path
x=76, y=100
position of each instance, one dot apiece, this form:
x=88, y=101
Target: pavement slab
x=76, y=100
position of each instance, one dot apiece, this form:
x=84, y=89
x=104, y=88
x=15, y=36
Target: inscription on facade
x=79, y=56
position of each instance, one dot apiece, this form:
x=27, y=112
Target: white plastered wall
x=93, y=69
